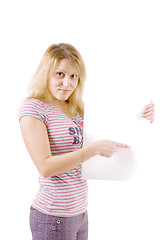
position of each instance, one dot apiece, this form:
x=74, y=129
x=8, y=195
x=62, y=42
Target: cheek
x=75, y=84
x=52, y=84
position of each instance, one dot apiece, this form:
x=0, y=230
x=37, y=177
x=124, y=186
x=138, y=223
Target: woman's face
x=63, y=80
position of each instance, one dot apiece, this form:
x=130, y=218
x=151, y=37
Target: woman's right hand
x=107, y=148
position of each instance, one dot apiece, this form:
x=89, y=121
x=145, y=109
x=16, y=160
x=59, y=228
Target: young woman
x=51, y=122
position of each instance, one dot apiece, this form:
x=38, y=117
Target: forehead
x=66, y=65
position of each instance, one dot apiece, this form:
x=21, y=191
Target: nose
x=66, y=81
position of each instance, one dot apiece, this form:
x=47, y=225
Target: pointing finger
x=121, y=145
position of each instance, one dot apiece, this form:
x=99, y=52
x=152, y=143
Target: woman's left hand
x=149, y=112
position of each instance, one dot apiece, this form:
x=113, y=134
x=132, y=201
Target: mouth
x=65, y=90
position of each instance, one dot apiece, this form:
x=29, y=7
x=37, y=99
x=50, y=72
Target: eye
x=60, y=74
x=74, y=76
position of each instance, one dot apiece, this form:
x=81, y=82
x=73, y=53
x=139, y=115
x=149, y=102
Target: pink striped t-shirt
x=64, y=194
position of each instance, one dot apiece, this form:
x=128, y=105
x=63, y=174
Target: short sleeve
x=34, y=108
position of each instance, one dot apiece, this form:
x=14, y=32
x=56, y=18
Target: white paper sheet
x=115, y=114
x=120, y=166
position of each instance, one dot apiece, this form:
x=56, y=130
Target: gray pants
x=47, y=227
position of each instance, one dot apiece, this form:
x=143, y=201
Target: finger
x=121, y=145
x=114, y=149
x=149, y=111
x=149, y=118
x=109, y=154
x=152, y=120
x=152, y=102
x=148, y=108
x=149, y=105
x=148, y=114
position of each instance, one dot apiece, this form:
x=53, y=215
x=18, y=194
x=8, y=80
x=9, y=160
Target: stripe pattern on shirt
x=64, y=194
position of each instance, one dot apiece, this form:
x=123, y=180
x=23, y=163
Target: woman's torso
x=64, y=194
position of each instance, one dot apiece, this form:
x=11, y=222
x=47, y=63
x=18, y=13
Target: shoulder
x=32, y=102
x=79, y=119
x=32, y=107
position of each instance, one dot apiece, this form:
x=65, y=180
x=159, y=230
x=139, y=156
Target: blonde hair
x=38, y=87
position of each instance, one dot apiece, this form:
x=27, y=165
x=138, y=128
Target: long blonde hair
x=38, y=87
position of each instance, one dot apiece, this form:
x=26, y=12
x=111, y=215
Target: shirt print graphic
x=77, y=134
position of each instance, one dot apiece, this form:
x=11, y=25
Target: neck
x=63, y=106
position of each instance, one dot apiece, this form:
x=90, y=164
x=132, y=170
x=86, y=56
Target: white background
x=119, y=41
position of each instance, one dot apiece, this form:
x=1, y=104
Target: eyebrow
x=61, y=70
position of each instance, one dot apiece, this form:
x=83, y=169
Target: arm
x=35, y=136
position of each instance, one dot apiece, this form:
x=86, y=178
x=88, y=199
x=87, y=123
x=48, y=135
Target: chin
x=63, y=99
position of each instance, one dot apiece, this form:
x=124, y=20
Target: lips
x=65, y=90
